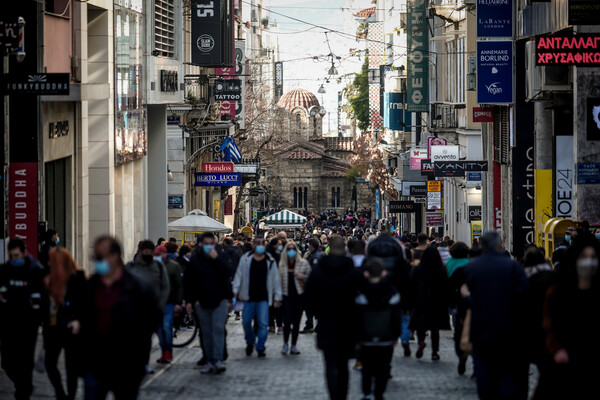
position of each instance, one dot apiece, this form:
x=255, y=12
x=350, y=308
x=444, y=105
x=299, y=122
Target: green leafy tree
x=359, y=97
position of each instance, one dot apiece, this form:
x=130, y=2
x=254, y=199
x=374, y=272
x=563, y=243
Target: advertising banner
x=212, y=33
x=240, y=70
x=204, y=179
x=416, y=156
x=584, y=12
x=434, y=219
x=564, y=174
x=543, y=201
x=494, y=18
x=418, y=57
x=393, y=111
x=476, y=230
x=582, y=50
x=403, y=207
x=23, y=203
x=494, y=72
x=444, y=153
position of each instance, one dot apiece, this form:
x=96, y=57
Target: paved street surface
x=284, y=377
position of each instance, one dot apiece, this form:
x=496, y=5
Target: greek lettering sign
x=37, y=84
x=588, y=173
x=217, y=167
x=434, y=186
x=23, y=203
x=584, y=12
x=203, y=179
x=403, y=207
x=418, y=57
x=494, y=18
x=494, y=72
x=582, y=50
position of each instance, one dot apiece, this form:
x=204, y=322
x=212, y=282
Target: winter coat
x=330, y=294
x=231, y=255
x=207, y=281
x=241, y=282
x=432, y=293
x=174, y=273
x=380, y=314
x=156, y=274
x=302, y=267
x=539, y=283
x=72, y=308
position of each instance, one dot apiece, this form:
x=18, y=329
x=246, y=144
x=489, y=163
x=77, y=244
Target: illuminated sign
x=582, y=50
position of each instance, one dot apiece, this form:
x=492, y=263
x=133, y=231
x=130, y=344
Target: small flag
x=230, y=150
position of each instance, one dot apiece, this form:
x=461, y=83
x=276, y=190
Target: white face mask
x=587, y=268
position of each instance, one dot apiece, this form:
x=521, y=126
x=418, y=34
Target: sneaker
x=357, y=366
x=167, y=357
x=261, y=353
x=271, y=329
x=249, y=350
x=149, y=371
x=285, y=348
x=161, y=360
x=294, y=351
x=220, y=367
x=406, y=348
x=201, y=362
x=435, y=356
x=280, y=331
x=208, y=369
x=419, y=353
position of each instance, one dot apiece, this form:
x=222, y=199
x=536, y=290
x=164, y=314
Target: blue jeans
x=405, y=338
x=165, y=331
x=261, y=310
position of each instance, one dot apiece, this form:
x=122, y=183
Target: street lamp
x=321, y=89
x=333, y=70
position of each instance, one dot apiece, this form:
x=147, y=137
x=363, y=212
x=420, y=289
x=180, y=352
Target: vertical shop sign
x=497, y=197
x=278, y=79
x=495, y=72
x=494, y=18
x=564, y=175
x=418, y=57
x=23, y=203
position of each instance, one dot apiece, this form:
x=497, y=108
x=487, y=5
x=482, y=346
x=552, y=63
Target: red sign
x=217, y=167
x=481, y=115
x=23, y=204
x=229, y=205
x=582, y=50
x=497, y=197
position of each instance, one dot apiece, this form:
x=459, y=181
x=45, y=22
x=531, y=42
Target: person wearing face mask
x=597, y=233
x=293, y=273
x=165, y=331
x=207, y=287
x=51, y=240
x=275, y=249
x=21, y=293
x=120, y=313
x=184, y=257
x=257, y=284
x=571, y=323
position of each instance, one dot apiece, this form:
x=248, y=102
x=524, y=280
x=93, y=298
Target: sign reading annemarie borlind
x=204, y=179
x=495, y=72
x=494, y=18
x=418, y=57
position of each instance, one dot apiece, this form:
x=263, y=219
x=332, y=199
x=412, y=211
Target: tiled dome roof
x=298, y=97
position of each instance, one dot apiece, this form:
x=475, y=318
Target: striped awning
x=285, y=217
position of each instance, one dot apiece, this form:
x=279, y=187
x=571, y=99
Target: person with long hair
x=293, y=273
x=65, y=285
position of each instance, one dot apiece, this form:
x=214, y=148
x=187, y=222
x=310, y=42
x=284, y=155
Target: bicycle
x=185, y=327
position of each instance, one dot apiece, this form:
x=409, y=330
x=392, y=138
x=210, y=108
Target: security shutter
x=501, y=134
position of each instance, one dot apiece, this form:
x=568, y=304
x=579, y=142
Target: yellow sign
x=543, y=202
x=476, y=230
x=434, y=186
x=217, y=209
x=248, y=231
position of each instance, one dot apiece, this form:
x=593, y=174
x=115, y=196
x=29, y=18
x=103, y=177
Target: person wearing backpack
x=380, y=326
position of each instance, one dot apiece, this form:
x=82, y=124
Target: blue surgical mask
x=57, y=240
x=598, y=235
x=303, y=246
x=101, y=267
x=279, y=249
x=158, y=259
x=568, y=239
x=18, y=262
x=207, y=248
x=291, y=253
x=260, y=249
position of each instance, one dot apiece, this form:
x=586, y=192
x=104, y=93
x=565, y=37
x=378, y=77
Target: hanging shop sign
x=434, y=218
x=483, y=115
x=474, y=213
x=278, y=79
x=582, y=50
x=494, y=18
x=458, y=168
x=228, y=205
x=240, y=70
x=9, y=34
x=416, y=156
x=37, y=84
x=434, y=201
x=418, y=57
x=403, y=207
x=593, y=118
x=444, y=153
x=228, y=90
x=474, y=176
x=435, y=141
x=418, y=190
x=588, y=173
x=212, y=33
x=203, y=179
x=495, y=72
x=564, y=174
x=217, y=167
x=23, y=203
x=584, y=12
x=427, y=167
x=434, y=186
x=393, y=109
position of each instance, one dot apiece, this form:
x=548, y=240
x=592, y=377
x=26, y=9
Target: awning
x=285, y=219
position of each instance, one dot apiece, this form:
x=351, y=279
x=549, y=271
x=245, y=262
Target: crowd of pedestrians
x=364, y=290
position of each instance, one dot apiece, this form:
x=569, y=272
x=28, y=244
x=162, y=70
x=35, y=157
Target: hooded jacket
x=241, y=282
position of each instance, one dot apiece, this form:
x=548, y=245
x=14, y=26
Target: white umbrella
x=198, y=221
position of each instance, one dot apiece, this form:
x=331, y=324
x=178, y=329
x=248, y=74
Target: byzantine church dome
x=298, y=98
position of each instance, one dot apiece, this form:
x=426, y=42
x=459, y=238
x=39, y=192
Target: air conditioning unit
x=557, y=79
x=533, y=76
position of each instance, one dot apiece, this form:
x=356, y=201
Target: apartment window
x=164, y=28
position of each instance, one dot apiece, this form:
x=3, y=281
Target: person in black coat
x=120, y=314
x=432, y=297
x=330, y=294
x=498, y=289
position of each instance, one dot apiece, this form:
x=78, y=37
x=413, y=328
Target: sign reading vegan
x=418, y=57
x=494, y=18
x=403, y=207
x=494, y=72
x=37, y=84
x=584, y=12
x=582, y=50
x=203, y=179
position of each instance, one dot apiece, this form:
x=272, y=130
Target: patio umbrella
x=198, y=221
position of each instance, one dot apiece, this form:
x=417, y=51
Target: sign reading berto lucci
x=494, y=72
x=204, y=179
